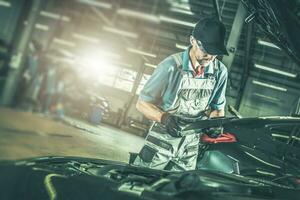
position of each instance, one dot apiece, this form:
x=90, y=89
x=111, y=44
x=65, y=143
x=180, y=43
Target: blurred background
x=89, y=59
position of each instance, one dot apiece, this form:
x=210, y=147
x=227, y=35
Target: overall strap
x=216, y=68
x=178, y=59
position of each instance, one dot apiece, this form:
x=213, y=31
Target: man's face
x=202, y=57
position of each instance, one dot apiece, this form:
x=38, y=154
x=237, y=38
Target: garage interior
x=98, y=55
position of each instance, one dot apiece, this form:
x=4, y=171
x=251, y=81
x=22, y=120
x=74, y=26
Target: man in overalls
x=184, y=86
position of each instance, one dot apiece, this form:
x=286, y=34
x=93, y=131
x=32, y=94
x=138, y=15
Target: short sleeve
x=218, y=101
x=156, y=85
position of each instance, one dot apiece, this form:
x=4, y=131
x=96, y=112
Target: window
x=125, y=80
x=144, y=80
x=108, y=76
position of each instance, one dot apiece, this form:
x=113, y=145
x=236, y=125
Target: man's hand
x=171, y=123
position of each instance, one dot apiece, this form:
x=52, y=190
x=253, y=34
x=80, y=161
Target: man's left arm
x=218, y=102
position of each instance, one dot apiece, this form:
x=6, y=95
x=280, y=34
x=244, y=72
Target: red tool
x=223, y=138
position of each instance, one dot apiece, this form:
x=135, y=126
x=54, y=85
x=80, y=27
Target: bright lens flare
x=96, y=66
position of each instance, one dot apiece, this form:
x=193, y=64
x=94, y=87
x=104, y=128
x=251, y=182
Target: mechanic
x=184, y=86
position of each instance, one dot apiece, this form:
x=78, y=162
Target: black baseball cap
x=211, y=33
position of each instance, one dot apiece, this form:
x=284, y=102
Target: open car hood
x=280, y=21
x=269, y=143
x=83, y=178
x=262, y=163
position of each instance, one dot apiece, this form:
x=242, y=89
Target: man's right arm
x=153, y=91
x=150, y=111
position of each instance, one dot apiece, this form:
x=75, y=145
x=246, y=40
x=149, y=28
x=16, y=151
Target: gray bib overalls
x=161, y=150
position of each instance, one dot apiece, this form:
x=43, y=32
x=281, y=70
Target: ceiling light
x=66, y=53
x=96, y=3
x=60, y=59
x=42, y=27
x=265, y=173
x=275, y=71
x=120, y=32
x=5, y=4
x=266, y=97
x=176, y=21
x=64, y=42
x=180, y=46
x=269, y=86
x=178, y=10
x=269, y=44
x=139, y=15
x=54, y=16
x=86, y=38
x=141, y=52
x=160, y=33
x=182, y=6
x=150, y=65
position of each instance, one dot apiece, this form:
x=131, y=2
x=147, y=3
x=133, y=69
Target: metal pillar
x=235, y=34
x=234, y=112
x=217, y=8
x=297, y=111
x=17, y=60
x=136, y=84
x=246, y=66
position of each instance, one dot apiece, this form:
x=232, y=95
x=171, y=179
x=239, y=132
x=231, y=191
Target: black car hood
x=271, y=141
x=280, y=21
x=83, y=178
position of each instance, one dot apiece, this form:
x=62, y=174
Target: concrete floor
x=24, y=135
